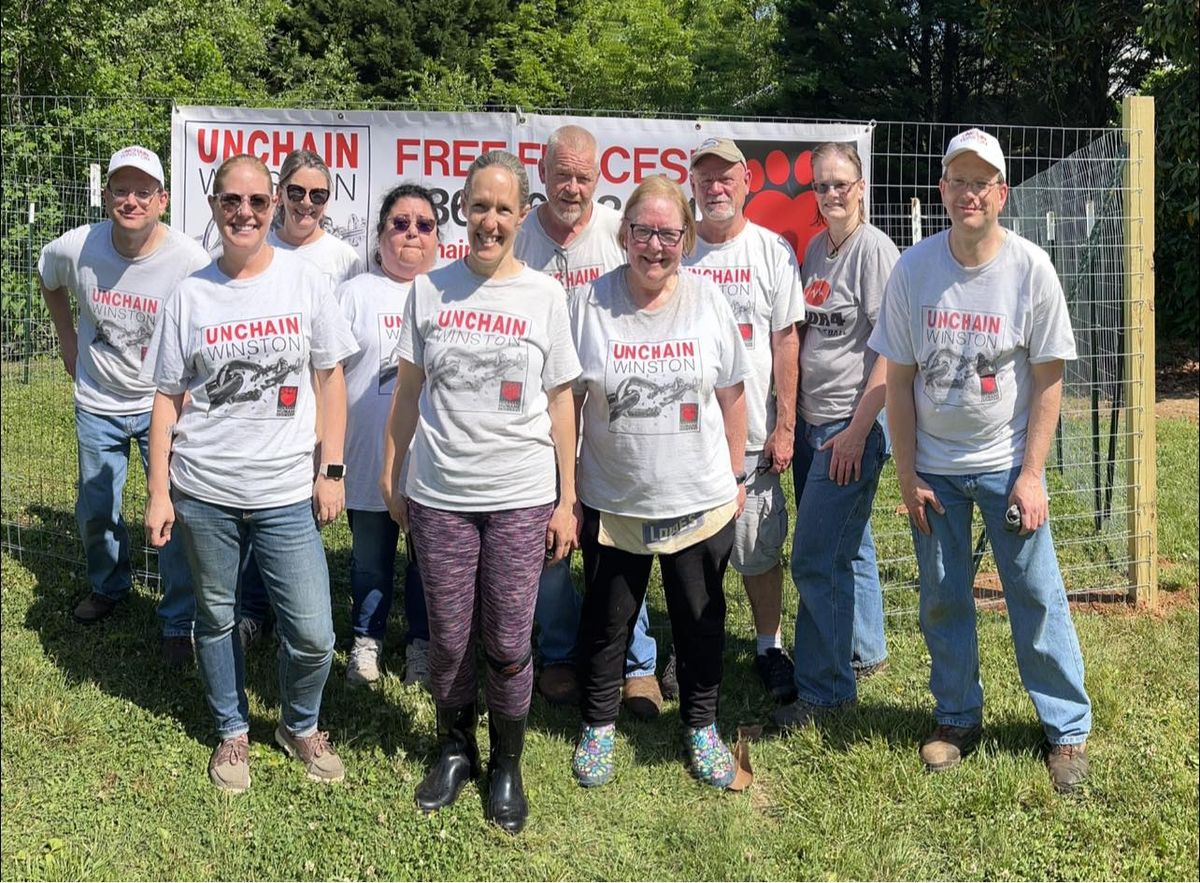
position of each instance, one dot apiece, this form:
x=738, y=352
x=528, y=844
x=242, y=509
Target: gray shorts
x=762, y=528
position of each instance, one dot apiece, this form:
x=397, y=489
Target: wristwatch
x=741, y=477
x=333, y=471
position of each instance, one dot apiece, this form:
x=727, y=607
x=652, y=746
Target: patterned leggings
x=481, y=573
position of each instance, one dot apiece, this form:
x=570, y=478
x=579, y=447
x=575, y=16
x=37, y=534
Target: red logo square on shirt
x=689, y=415
x=285, y=404
x=747, y=331
x=510, y=395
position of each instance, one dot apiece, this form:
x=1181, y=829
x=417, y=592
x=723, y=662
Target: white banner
x=368, y=152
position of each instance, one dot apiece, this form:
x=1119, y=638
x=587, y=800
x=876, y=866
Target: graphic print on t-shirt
x=479, y=360
x=389, y=354
x=829, y=323
x=255, y=366
x=124, y=324
x=572, y=277
x=958, y=364
x=737, y=284
x=653, y=388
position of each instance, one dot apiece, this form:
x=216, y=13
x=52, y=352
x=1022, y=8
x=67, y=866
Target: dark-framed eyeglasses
x=424, y=226
x=120, y=194
x=231, y=202
x=840, y=188
x=296, y=193
x=668, y=236
x=978, y=188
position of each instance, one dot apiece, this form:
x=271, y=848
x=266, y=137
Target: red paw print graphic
x=781, y=194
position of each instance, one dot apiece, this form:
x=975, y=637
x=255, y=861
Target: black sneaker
x=94, y=608
x=250, y=631
x=777, y=672
x=669, y=683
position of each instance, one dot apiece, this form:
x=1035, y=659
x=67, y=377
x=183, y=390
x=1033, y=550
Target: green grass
x=103, y=753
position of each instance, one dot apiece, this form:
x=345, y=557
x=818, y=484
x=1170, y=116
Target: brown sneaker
x=946, y=746
x=642, y=697
x=176, y=651
x=229, y=766
x=559, y=684
x=869, y=671
x=320, y=760
x=94, y=608
x=1068, y=765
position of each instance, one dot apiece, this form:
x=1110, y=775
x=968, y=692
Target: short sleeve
x=166, y=358
x=332, y=340
x=892, y=337
x=562, y=362
x=1051, y=336
x=53, y=266
x=876, y=273
x=788, y=308
x=411, y=346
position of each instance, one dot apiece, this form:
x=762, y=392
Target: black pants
x=615, y=585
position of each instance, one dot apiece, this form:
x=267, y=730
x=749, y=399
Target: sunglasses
x=401, y=223
x=231, y=202
x=668, y=236
x=841, y=188
x=296, y=193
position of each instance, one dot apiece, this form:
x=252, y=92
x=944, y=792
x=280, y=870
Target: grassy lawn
x=103, y=752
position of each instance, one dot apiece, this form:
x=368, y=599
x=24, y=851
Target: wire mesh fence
x=1068, y=194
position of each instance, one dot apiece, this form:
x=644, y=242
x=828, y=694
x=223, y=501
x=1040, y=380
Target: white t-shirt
x=585, y=259
x=332, y=256
x=653, y=434
x=972, y=332
x=373, y=304
x=119, y=303
x=842, y=296
x=490, y=348
x=244, y=349
x=757, y=273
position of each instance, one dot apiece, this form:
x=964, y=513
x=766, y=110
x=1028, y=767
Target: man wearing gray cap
x=757, y=272
x=120, y=272
x=975, y=329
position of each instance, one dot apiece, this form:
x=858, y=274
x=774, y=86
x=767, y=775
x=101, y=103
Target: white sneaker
x=416, y=663
x=363, y=668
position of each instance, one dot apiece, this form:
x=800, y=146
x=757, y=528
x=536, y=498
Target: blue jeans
x=103, y=467
x=374, y=537
x=292, y=561
x=840, y=617
x=1047, y=649
x=557, y=617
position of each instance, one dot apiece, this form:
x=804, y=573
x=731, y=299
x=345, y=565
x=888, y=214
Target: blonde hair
x=240, y=159
x=662, y=187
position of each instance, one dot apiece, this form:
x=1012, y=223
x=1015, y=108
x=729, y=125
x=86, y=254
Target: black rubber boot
x=506, y=805
x=459, y=760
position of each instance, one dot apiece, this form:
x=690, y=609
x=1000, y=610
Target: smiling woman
x=232, y=433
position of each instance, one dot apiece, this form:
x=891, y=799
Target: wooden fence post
x=1137, y=124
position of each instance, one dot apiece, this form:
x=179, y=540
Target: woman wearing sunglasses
x=660, y=473
x=486, y=365
x=303, y=192
x=373, y=304
x=232, y=433
x=840, y=446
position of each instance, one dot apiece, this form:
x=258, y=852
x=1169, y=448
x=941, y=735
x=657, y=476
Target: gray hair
x=576, y=137
x=504, y=160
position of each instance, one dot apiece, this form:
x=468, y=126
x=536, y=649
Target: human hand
x=1029, y=496
x=917, y=495
x=329, y=499
x=845, y=464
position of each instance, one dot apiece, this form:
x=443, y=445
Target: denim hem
x=119, y=596
x=632, y=675
x=807, y=698
x=176, y=633
x=1069, y=740
x=960, y=722
x=303, y=735
x=858, y=666
x=233, y=735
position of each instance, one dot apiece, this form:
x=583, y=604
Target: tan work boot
x=1068, y=765
x=642, y=697
x=320, y=760
x=946, y=746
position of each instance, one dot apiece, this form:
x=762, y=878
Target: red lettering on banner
x=436, y=152
x=675, y=160
x=644, y=163
x=606, y=167
x=529, y=152
x=402, y=154
x=339, y=150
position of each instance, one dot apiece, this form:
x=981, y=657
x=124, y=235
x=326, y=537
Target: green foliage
x=1171, y=26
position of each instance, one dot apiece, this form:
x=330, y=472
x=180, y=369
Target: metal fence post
x=1137, y=124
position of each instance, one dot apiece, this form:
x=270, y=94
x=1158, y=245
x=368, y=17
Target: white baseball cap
x=140, y=158
x=980, y=143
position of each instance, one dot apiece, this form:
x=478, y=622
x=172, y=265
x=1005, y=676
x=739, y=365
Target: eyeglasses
x=120, y=194
x=296, y=193
x=231, y=202
x=840, y=188
x=401, y=223
x=668, y=236
x=978, y=188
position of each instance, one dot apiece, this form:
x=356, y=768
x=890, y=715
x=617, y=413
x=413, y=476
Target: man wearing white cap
x=574, y=239
x=757, y=271
x=975, y=329
x=119, y=271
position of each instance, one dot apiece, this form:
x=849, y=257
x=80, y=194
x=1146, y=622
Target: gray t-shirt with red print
x=490, y=350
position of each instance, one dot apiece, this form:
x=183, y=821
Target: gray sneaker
x=320, y=760
x=363, y=667
x=1068, y=765
x=416, y=663
x=229, y=766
